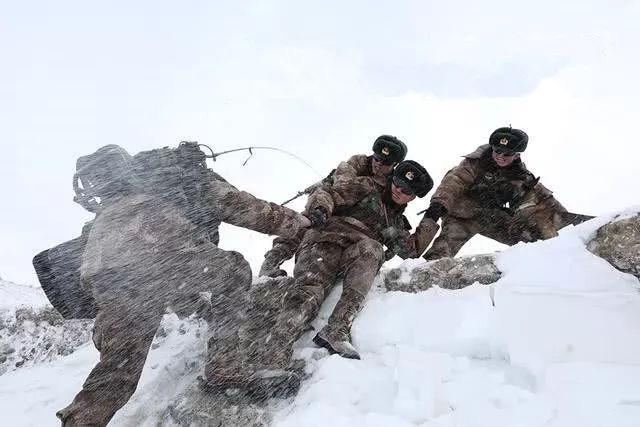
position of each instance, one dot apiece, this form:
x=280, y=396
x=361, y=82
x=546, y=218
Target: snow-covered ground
x=555, y=342
x=13, y=295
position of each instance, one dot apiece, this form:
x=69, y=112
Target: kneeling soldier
x=492, y=193
x=387, y=152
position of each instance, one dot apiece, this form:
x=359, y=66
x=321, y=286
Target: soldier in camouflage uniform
x=492, y=193
x=153, y=246
x=387, y=152
x=365, y=215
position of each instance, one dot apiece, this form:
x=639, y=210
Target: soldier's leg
x=361, y=263
x=455, y=233
x=124, y=336
x=316, y=268
x=227, y=276
x=281, y=251
x=498, y=225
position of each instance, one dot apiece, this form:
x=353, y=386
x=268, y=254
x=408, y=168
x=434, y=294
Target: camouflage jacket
x=478, y=183
x=362, y=205
x=144, y=231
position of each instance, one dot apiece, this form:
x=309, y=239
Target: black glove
x=435, y=211
x=318, y=217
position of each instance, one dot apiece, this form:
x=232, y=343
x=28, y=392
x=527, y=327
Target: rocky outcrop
x=619, y=243
x=31, y=335
x=447, y=273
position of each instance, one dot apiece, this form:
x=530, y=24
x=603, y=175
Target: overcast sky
x=321, y=80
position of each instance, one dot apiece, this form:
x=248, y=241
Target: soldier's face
x=399, y=196
x=504, y=160
x=379, y=168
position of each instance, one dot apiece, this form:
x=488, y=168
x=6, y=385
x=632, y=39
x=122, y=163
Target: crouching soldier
x=492, y=193
x=153, y=246
x=387, y=152
x=365, y=215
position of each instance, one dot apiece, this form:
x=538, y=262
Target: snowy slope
x=31, y=331
x=555, y=342
x=13, y=296
x=561, y=347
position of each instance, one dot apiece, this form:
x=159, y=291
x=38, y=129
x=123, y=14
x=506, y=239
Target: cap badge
x=409, y=176
x=385, y=151
x=504, y=141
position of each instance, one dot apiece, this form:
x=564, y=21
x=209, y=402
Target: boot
x=337, y=342
x=336, y=335
x=271, y=265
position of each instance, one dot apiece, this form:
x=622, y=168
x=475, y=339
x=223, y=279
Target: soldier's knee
x=371, y=249
x=454, y=232
x=311, y=294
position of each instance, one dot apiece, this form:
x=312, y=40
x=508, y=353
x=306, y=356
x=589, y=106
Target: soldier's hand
x=435, y=211
x=318, y=217
x=304, y=221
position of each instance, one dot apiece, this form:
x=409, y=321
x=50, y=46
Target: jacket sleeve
x=456, y=182
x=342, y=193
x=242, y=209
x=357, y=165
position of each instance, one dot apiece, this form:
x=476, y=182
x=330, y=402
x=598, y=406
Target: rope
x=214, y=156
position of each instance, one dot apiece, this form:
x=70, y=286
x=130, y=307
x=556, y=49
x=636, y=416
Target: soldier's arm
x=455, y=183
x=343, y=193
x=245, y=210
x=357, y=165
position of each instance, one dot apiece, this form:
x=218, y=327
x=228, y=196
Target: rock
x=199, y=408
x=619, y=243
x=447, y=273
x=6, y=349
x=31, y=335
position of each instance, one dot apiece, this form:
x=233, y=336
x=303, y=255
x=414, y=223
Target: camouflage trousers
x=131, y=305
x=492, y=223
x=282, y=249
x=320, y=260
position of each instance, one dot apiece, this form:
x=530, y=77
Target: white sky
x=321, y=80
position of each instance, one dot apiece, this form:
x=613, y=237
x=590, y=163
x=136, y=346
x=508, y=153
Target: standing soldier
x=365, y=213
x=153, y=245
x=387, y=152
x=486, y=193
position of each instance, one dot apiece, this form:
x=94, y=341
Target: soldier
x=492, y=193
x=365, y=213
x=387, y=152
x=153, y=245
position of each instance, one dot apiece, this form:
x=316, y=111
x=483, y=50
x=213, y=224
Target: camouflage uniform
x=349, y=245
x=482, y=198
x=284, y=249
x=143, y=255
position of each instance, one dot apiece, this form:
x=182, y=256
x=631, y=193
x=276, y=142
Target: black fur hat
x=389, y=149
x=413, y=175
x=509, y=140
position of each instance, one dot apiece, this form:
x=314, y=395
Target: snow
x=555, y=342
x=31, y=397
x=13, y=296
x=560, y=348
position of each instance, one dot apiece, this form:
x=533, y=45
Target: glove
x=435, y=211
x=318, y=217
